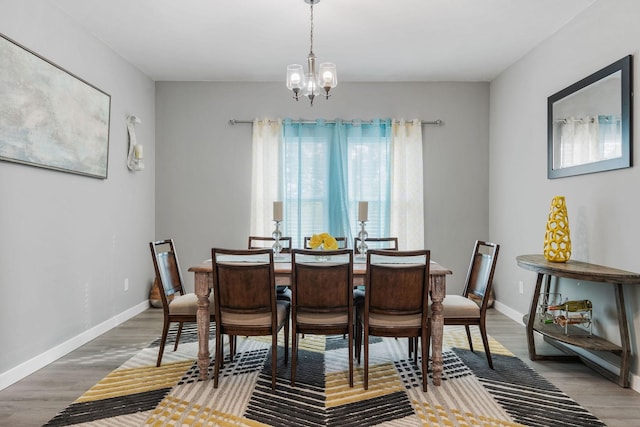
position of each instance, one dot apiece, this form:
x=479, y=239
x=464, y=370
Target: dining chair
x=177, y=305
x=261, y=242
x=389, y=243
x=342, y=242
x=327, y=312
x=245, y=301
x=462, y=309
x=396, y=301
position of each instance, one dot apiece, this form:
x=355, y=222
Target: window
x=326, y=169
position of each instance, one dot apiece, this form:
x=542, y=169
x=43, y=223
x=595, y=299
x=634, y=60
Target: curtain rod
x=303, y=121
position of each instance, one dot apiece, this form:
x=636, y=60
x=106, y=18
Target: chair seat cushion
x=391, y=321
x=322, y=318
x=187, y=304
x=284, y=294
x=255, y=319
x=459, y=306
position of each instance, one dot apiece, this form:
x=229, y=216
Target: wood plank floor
x=38, y=398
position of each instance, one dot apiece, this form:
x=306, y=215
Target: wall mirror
x=589, y=123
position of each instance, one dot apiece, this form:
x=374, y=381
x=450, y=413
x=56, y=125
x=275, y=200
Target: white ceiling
x=369, y=40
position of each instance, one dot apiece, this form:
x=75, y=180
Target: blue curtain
x=326, y=169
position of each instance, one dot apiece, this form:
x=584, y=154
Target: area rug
x=471, y=394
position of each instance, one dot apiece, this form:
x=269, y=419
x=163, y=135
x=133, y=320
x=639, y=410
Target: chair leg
x=425, y=372
x=286, y=343
x=466, y=327
x=294, y=354
x=175, y=347
x=366, y=359
x=165, y=331
x=274, y=358
x=217, y=361
x=485, y=342
x=350, y=356
x=428, y=339
x=358, y=339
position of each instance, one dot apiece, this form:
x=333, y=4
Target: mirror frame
x=623, y=65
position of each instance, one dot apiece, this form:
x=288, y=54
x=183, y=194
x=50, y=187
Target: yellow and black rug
x=471, y=394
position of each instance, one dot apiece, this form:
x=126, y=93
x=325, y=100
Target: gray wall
x=204, y=164
x=68, y=241
x=602, y=207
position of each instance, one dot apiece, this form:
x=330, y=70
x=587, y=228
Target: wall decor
x=589, y=123
x=49, y=117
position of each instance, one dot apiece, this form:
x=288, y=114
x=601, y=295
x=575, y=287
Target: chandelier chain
x=311, y=32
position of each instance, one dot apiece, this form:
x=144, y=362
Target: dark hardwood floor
x=38, y=398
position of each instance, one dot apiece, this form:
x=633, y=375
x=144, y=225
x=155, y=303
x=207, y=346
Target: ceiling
x=372, y=40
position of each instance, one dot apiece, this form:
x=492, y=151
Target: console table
x=553, y=333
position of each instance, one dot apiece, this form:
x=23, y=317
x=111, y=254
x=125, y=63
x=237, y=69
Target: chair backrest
x=167, y=267
x=388, y=243
x=325, y=286
x=243, y=281
x=342, y=242
x=397, y=282
x=481, y=268
x=260, y=242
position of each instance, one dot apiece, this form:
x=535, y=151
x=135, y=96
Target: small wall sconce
x=135, y=156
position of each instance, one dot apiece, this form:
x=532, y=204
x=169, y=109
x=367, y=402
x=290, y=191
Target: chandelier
x=311, y=83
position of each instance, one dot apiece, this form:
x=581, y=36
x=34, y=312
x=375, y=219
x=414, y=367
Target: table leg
x=438, y=291
x=202, y=290
x=623, y=379
x=532, y=317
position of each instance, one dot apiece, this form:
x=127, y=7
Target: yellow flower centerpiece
x=323, y=241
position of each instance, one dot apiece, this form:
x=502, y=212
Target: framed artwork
x=49, y=117
x=589, y=123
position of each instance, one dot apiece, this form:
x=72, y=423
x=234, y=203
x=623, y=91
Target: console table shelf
x=579, y=337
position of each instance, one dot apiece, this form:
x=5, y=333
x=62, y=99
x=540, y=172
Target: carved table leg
x=202, y=292
x=438, y=291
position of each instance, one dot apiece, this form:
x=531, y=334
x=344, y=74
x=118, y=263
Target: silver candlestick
x=277, y=246
x=362, y=235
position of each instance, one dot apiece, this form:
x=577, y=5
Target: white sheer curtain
x=407, y=206
x=265, y=169
x=579, y=142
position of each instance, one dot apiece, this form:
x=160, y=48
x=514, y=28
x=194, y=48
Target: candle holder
x=362, y=235
x=277, y=246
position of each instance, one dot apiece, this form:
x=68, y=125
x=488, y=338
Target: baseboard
x=634, y=379
x=509, y=312
x=30, y=366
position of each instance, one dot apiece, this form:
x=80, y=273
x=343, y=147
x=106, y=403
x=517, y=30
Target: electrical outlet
x=126, y=284
x=521, y=287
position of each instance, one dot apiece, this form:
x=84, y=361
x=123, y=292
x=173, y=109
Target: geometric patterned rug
x=471, y=394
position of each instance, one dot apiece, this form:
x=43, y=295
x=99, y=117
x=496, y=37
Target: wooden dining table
x=203, y=274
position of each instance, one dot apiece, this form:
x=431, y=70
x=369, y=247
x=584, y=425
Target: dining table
x=203, y=275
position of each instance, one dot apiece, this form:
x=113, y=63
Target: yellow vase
x=557, y=239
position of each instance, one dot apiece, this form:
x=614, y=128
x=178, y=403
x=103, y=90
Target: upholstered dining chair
x=463, y=309
x=396, y=301
x=389, y=243
x=261, y=242
x=177, y=305
x=245, y=301
x=327, y=312
x=342, y=242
